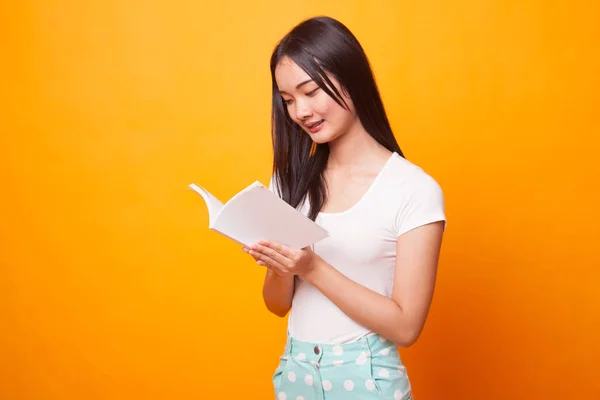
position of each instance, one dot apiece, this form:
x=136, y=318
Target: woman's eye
x=312, y=92
x=286, y=102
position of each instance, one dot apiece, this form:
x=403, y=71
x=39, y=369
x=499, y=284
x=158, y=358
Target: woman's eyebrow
x=298, y=86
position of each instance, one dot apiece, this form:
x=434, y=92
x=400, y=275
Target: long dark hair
x=319, y=46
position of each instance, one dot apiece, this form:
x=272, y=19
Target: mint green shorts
x=369, y=368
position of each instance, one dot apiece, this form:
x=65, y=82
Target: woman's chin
x=320, y=137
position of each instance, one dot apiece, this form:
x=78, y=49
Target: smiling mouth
x=312, y=126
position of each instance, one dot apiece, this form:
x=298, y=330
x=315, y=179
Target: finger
x=270, y=270
x=248, y=251
x=273, y=266
x=267, y=261
x=271, y=253
x=279, y=248
x=262, y=264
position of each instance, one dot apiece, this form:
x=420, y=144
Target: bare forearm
x=278, y=292
x=374, y=311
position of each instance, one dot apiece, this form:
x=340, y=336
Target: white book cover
x=256, y=213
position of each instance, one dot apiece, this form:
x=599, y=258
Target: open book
x=256, y=213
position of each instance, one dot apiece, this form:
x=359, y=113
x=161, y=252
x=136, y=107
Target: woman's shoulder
x=409, y=176
x=418, y=197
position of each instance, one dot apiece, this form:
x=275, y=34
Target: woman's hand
x=283, y=260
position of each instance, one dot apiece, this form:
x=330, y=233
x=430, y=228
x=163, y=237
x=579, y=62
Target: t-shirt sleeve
x=423, y=204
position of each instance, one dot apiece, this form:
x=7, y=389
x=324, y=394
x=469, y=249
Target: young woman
x=365, y=290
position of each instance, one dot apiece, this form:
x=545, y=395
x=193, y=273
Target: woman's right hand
x=272, y=271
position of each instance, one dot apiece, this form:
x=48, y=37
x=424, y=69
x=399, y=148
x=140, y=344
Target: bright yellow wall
x=111, y=286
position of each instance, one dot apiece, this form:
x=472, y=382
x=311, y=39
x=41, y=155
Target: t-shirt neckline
x=365, y=195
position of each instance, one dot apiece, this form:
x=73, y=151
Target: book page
x=256, y=213
x=212, y=203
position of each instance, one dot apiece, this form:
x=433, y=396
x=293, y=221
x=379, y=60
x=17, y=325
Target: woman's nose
x=303, y=111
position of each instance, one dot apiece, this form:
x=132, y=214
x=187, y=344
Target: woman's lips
x=314, y=128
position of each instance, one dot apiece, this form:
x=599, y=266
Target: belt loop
x=365, y=345
x=290, y=345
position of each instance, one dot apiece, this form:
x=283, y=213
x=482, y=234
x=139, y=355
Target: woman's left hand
x=283, y=260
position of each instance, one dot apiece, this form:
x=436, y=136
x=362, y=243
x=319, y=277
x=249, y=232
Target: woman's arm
x=278, y=291
x=400, y=318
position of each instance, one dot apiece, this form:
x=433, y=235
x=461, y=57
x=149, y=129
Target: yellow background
x=111, y=285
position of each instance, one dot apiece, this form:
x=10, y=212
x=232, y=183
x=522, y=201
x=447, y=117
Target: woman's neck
x=355, y=148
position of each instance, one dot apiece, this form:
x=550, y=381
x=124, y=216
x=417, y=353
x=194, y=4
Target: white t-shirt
x=362, y=246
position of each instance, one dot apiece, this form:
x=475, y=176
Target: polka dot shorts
x=369, y=368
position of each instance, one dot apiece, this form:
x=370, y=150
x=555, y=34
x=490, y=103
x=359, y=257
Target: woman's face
x=309, y=106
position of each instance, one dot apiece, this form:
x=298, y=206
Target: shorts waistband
x=363, y=348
